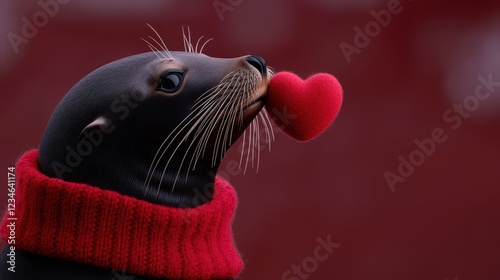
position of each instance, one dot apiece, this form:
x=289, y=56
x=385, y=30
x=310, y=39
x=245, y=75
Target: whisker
x=199, y=148
x=257, y=146
x=189, y=35
x=159, y=45
x=197, y=42
x=254, y=141
x=242, y=148
x=205, y=129
x=271, y=71
x=268, y=127
x=188, y=46
x=228, y=125
x=155, y=50
x=184, y=40
x=219, y=141
x=163, y=43
x=224, y=104
x=202, y=47
x=250, y=136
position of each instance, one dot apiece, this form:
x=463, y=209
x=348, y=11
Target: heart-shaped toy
x=303, y=109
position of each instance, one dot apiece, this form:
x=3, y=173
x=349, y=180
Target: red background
x=442, y=222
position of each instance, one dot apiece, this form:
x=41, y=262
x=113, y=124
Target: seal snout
x=258, y=63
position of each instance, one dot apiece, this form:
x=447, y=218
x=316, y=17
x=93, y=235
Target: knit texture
x=103, y=228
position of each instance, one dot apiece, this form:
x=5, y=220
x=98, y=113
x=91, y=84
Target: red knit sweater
x=89, y=225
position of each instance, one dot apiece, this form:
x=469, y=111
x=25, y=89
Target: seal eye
x=170, y=81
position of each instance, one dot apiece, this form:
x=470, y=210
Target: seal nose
x=259, y=63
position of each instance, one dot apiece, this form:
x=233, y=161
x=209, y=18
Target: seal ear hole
x=99, y=125
x=170, y=81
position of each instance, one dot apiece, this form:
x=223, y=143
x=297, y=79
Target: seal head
x=152, y=128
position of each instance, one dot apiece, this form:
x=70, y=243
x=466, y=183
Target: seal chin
x=257, y=103
x=252, y=110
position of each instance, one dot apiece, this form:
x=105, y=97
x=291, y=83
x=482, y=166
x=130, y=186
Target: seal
x=155, y=128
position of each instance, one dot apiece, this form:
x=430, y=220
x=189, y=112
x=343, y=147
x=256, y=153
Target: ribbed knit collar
x=102, y=228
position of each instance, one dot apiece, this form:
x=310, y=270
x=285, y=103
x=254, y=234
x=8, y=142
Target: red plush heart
x=303, y=109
